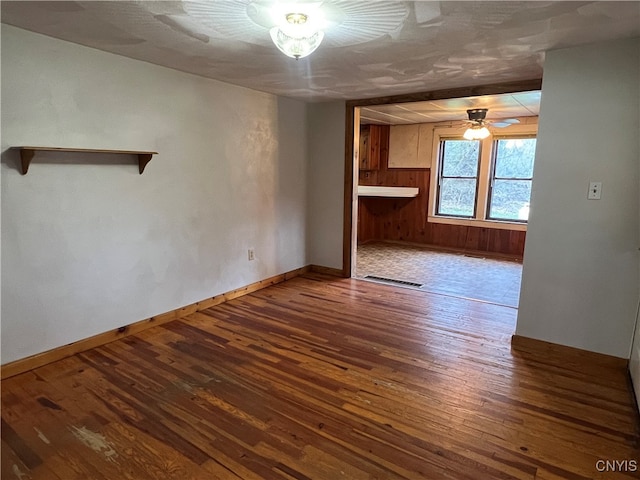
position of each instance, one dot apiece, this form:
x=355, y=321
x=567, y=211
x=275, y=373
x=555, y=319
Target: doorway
x=390, y=238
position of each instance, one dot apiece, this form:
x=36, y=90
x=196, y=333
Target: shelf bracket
x=143, y=159
x=26, y=155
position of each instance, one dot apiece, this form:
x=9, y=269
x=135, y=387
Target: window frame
x=441, y=177
x=528, y=127
x=494, y=166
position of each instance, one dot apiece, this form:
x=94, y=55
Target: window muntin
x=458, y=178
x=526, y=129
x=512, y=174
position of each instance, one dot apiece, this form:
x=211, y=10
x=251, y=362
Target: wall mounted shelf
x=382, y=191
x=27, y=154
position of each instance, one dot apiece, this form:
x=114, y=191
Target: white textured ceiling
x=371, y=48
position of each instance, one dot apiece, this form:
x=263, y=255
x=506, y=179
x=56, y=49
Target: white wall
x=88, y=243
x=0, y=203
x=580, y=279
x=326, y=182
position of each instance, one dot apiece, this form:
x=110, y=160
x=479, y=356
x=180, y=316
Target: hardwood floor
x=322, y=378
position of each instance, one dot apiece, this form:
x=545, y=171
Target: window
x=458, y=180
x=511, y=179
x=483, y=182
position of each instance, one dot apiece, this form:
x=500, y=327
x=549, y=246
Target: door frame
x=350, y=188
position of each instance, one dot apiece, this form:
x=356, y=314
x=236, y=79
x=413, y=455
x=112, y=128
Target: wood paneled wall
x=405, y=219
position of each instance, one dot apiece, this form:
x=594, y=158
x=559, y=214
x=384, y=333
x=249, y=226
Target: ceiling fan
x=478, y=124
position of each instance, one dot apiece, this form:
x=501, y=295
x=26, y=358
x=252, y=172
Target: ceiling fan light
x=296, y=46
x=482, y=133
x=477, y=132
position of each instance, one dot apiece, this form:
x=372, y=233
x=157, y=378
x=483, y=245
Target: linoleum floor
x=460, y=275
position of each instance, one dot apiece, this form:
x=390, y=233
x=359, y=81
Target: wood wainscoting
x=405, y=219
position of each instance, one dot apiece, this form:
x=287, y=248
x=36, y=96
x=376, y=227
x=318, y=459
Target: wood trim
x=459, y=92
x=335, y=272
x=634, y=397
x=565, y=355
x=40, y=359
x=347, y=227
x=491, y=89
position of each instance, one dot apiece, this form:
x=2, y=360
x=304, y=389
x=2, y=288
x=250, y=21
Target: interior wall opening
x=433, y=210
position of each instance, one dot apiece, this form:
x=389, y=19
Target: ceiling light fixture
x=477, y=130
x=296, y=37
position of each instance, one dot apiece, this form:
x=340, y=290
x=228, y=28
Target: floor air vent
x=394, y=282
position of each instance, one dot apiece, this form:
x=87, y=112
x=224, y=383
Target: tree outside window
x=458, y=182
x=484, y=180
x=511, y=179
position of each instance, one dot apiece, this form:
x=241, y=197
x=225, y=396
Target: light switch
x=595, y=191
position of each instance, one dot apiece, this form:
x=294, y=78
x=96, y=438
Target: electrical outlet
x=595, y=191
x=251, y=254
